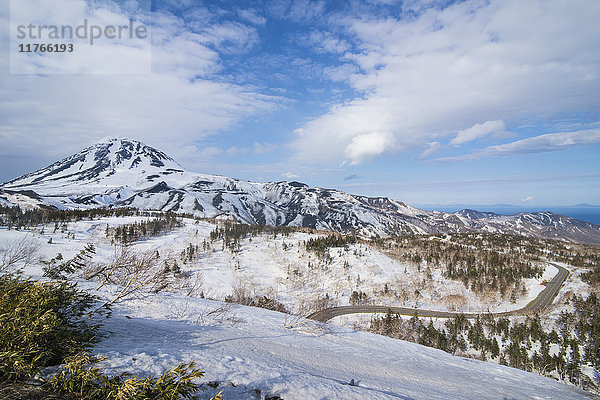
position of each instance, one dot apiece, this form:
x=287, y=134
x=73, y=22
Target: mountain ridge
x=122, y=172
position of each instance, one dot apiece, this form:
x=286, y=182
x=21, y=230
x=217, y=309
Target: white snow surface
x=281, y=268
x=257, y=349
x=249, y=349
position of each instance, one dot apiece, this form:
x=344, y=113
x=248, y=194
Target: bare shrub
x=219, y=315
x=454, y=302
x=309, y=305
x=189, y=283
x=240, y=297
x=130, y=272
x=247, y=293
x=302, y=324
x=20, y=252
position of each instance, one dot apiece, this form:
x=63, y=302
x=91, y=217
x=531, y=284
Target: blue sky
x=471, y=102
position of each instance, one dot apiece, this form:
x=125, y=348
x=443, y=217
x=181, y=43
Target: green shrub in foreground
x=41, y=323
x=82, y=377
x=48, y=323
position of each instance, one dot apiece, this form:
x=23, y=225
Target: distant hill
x=585, y=212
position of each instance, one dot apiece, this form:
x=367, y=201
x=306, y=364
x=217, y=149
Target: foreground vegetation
x=45, y=324
x=41, y=324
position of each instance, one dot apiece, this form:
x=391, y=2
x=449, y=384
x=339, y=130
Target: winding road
x=543, y=300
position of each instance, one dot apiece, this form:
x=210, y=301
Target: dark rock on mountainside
x=122, y=172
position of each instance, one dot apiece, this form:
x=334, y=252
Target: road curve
x=543, y=300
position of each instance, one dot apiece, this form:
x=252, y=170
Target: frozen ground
x=281, y=268
x=249, y=350
x=259, y=349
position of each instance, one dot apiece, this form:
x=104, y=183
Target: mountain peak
x=110, y=163
x=119, y=172
x=109, y=139
x=125, y=148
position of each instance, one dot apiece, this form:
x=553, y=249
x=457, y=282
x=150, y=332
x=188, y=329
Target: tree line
x=232, y=233
x=526, y=345
x=129, y=233
x=481, y=262
x=322, y=244
x=16, y=217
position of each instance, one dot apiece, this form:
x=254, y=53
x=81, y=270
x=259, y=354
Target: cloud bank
x=184, y=98
x=456, y=74
x=536, y=144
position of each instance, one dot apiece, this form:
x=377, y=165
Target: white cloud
x=420, y=5
x=422, y=79
x=230, y=37
x=252, y=16
x=262, y=148
x=340, y=73
x=207, y=152
x=536, y=144
x=298, y=10
x=181, y=101
x=478, y=131
x=526, y=199
x=290, y=175
x=364, y=147
x=257, y=148
x=432, y=148
x=327, y=42
x=236, y=151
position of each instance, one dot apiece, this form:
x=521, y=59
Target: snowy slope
x=258, y=349
x=106, y=165
x=248, y=348
x=282, y=269
x=123, y=172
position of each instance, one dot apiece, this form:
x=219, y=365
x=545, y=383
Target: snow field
x=248, y=349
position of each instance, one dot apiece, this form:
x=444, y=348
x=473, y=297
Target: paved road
x=543, y=300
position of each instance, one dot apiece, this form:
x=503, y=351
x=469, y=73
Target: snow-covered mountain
x=122, y=172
